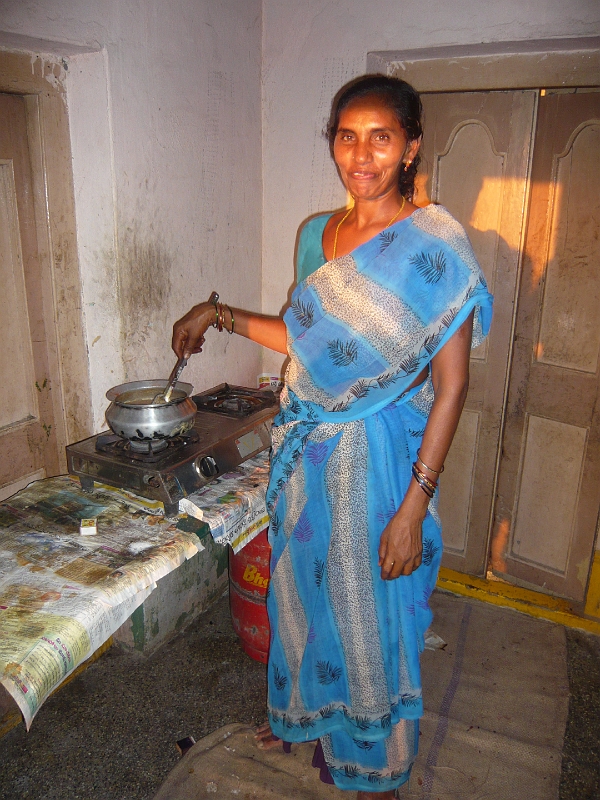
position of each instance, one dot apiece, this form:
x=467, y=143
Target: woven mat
x=496, y=701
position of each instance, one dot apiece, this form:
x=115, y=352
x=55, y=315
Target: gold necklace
x=337, y=230
x=397, y=214
x=347, y=214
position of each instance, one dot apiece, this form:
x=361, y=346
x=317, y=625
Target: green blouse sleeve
x=310, y=254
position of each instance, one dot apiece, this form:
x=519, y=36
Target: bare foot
x=264, y=738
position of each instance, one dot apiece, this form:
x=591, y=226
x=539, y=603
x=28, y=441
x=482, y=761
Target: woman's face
x=370, y=148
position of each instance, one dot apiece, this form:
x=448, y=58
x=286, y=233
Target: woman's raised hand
x=188, y=332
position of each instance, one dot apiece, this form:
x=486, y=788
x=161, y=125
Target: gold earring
x=407, y=165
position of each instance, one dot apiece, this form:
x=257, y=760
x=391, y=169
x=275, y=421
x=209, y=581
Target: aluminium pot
x=133, y=414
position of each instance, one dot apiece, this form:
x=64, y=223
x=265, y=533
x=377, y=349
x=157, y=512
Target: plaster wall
x=164, y=109
x=311, y=49
x=172, y=197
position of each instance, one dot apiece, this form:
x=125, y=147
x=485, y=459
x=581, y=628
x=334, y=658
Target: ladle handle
x=174, y=377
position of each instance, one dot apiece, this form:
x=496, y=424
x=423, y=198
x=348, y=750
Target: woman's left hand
x=401, y=544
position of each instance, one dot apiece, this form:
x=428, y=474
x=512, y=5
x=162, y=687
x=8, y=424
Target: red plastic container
x=249, y=575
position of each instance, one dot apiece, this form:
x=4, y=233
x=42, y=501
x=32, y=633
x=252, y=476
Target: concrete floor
x=580, y=778
x=111, y=733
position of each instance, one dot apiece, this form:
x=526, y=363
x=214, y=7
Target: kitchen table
x=64, y=593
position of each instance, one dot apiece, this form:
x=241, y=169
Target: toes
x=263, y=728
x=269, y=743
x=265, y=740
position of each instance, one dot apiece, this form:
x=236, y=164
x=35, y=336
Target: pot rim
x=114, y=393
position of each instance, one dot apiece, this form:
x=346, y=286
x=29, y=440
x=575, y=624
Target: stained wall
x=196, y=129
x=165, y=122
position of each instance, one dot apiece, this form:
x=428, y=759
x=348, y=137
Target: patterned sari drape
x=344, y=657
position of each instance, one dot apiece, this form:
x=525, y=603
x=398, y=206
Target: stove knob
x=206, y=466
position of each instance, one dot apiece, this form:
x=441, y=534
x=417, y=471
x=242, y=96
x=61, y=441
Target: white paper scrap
x=87, y=527
x=187, y=507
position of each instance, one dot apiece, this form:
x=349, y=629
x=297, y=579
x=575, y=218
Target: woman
x=388, y=303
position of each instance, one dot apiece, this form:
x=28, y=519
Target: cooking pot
x=138, y=413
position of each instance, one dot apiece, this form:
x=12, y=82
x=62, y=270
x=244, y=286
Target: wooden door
x=476, y=153
x=28, y=447
x=549, y=476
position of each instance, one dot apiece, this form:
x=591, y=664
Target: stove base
x=220, y=440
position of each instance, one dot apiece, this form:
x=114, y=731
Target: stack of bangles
x=427, y=484
x=219, y=322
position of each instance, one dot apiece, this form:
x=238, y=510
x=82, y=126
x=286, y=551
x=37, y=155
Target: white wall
x=310, y=49
x=171, y=188
x=166, y=137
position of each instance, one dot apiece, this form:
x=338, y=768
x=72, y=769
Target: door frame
x=550, y=63
x=40, y=81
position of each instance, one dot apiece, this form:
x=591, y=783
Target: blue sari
x=345, y=644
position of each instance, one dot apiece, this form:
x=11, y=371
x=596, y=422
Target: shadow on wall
x=144, y=271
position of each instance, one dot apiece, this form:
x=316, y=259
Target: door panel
x=28, y=447
x=547, y=496
x=476, y=155
x=18, y=402
x=549, y=476
x=459, y=484
x=479, y=203
x=569, y=331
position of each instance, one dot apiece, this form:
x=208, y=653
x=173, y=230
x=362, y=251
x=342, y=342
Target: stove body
x=232, y=424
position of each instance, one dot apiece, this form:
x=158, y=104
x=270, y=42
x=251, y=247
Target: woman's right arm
x=188, y=332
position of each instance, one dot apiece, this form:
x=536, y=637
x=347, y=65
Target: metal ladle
x=165, y=395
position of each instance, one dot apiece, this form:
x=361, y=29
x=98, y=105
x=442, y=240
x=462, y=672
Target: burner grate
x=238, y=405
x=148, y=452
x=234, y=401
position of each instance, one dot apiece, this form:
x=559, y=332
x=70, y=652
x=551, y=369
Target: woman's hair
x=399, y=97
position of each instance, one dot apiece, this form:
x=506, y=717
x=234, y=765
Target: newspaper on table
x=233, y=505
x=63, y=594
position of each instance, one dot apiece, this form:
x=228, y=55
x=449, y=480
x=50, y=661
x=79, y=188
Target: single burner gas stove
x=232, y=424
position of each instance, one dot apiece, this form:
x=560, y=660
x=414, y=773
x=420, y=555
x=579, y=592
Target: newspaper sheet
x=38, y=650
x=233, y=505
x=63, y=594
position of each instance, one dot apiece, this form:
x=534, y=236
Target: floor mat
x=496, y=700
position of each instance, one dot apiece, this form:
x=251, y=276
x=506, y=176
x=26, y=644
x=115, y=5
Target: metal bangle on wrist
x=427, y=485
x=220, y=323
